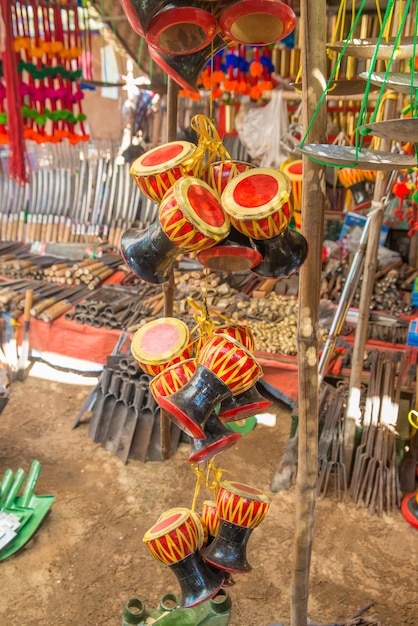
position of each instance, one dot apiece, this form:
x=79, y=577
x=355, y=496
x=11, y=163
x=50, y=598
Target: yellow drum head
x=256, y=194
x=201, y=207
x=163, y=158
x=160, y=341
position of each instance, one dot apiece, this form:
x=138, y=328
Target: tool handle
x=28, y=305
x=14, y=490
x=30, y=483
x=6, y=484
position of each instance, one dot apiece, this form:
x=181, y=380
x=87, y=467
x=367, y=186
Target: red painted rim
x=409, y=509
x=244, y=412
x=205, y=454
x=211, y=256
x=205, y=27
x=182, y=419
x=246, y=10
x=170, y=71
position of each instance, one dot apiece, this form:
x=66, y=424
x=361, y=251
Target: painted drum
x=193, y=514
x=172, y=378
x=257, y=202
x=257, y=22
x=242, y=504
x=219, y=173
x=239, y=332
x=157, y=170
x=174, y=536
x=192, y=216
x=210, y=517
x=231, y=362
x=293, y=170
x=181, y=30
x=161, y=343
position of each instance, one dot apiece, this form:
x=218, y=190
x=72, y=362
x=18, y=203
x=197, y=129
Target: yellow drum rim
x=151, y=358
x=246, y=491
x=139, y=169
x=286, y=169
x=166, y=523
x=237, y=211
x=180, y=192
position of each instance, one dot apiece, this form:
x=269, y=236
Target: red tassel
x=17, y=158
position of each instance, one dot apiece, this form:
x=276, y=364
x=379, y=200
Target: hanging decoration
x=388, y=49
x=48, y=48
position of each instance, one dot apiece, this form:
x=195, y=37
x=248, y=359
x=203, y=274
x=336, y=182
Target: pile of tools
x=20, y=515
x=125, y=418
x=93, y=202
x=373, y=480
x=392, y=287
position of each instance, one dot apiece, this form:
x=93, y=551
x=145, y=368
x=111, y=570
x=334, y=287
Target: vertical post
x=314, y=73
x=172, y=112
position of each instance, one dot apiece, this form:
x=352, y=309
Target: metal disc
x=405, y=129
x=366, y=48
x=402, y=82
x=349, y=156
x=340, y=87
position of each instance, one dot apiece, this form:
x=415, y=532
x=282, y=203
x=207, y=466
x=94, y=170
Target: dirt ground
x=88, y=557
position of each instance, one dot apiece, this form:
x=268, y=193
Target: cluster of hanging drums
x=201, y=384
x=232, y=215
x=182, y=39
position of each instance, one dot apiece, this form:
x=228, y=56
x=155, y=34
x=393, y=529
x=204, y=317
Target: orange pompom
x=256, y=69
x=218, y=76
x=216, y=93
x=230, y=85
x=255, y=92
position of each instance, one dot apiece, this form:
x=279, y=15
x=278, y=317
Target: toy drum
x=257, y=22
x=156, y=170
x=219, y=173
x=181, y=30
x=161, y=343
x=172, y=378
x=356, y=181
x=242, y=504
x=241, y=509
x=217, y=439
x=257, y=202
x=191, y=215
x=174, y=541
x=210, y=517
x=293, y=170
x=193, y=514
x=231, y=362
x=239, y=332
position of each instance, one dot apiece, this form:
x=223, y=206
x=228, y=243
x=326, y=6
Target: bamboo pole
x=314, y=71
x=168, y=287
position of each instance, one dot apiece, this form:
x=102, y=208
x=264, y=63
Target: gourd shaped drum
x=174, y=541
x=156, y=170
x=241, y=509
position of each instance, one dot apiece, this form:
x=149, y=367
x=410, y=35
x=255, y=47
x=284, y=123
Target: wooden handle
x=28, y=305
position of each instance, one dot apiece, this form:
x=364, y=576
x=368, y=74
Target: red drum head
x=157, y=170
x=192, y=215
x=193, y=514
x=257, y=202
x=257, y=22
x=181, y=30
x=242, y=504
x=161, y=343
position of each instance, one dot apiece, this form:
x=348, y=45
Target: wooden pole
x=314, y=72
x=168, y=287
